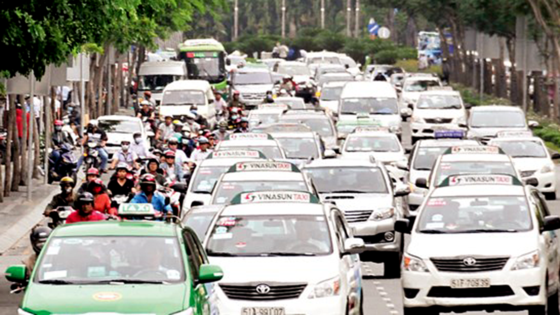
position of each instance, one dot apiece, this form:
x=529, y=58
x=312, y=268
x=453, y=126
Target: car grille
x=338, y=197
x=357, y=216
x=439, y=120
x=277, y=292
x=459, y=264
x=253, y=96
x=448, y=292
x=527, y=173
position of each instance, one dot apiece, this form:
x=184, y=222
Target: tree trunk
x=24, y=143
x=488, y=86
x=37, y=147
x=12, y=138
x=121, y=81
x=16, y=157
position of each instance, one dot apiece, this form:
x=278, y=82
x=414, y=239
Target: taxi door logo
x=107, y=296
x=250, y=197
x=241, y=166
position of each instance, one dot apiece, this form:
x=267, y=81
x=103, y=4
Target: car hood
x=131, y=299
x=254, y=88
x=411, y=96
x=331, y=105
x=439, y=113
x=531, y=164
x=301, y=78
x=489, y=132
x=277, y=269
x=381, y=120
x=384, y=157
x=116, y=138
x=452, y=245
x=358, y=201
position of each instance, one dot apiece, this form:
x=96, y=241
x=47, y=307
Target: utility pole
x=322, y=14
x=348, y=17
x=30, y=134
x=235, y=20
x=357, y=20
x=283, y=18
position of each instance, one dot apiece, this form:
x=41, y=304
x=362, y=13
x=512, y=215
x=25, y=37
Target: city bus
x=205, y=60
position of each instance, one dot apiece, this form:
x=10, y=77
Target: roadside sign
x=384, y=33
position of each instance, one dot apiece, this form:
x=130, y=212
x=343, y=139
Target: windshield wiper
x=349, y=192
x=432, y=231
x=56, y=281
x=348, y=113
x=288, y=254
x=490, y=231
x=527, y=156
x=382, y=113
x=222, y=254
x=423, y=169
x=202, y=192
x=132, y=281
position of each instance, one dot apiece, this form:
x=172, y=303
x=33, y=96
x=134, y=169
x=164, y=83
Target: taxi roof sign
x=233, y=154
x=275, y=197
x=136, y=210
x=480, y=179
x=366, y=129
x=474, y=149
x=274, y=106
x=249, y=136
x=515, y=134
x=449, y=134
x=264, y=166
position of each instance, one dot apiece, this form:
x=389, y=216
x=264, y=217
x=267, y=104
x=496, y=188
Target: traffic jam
x=266, y=192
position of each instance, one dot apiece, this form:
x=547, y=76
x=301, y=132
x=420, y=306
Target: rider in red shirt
x=85, y=212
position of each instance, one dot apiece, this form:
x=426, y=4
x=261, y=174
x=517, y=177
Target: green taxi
x=127, y=267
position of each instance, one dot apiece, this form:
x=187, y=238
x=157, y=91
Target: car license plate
x=262, y=311
x=470, y=283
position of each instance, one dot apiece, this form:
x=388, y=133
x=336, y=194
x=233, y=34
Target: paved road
x=382, y=296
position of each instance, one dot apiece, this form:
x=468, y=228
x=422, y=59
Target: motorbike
x=59, y=215
x=174, y=193
x=119, y=200
x=66, y=166
x=91, y=156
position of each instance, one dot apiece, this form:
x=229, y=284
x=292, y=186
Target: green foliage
x=472, y=96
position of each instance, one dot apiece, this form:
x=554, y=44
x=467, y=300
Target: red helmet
x=58, y=122
x=93, y=171
x=147, y=93
x=235, y=92
x=169, y=153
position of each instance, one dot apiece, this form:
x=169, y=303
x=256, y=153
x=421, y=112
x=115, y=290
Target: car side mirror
x=354, y=246
x=16, y=273
x=406, y=112
x=532, y=182
x=403, y=226
x=336, y=149
x=210, y=101
x=533, y=123
x=402, y=190
x=421, y=183
x=210, y=273
x=468, y=105
x=555, y=156
x=329, y=154
x=402, y=165
x=197, y=203
x=551, y=223
x=408, y=150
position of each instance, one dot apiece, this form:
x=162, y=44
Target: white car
x=330, y=96
x=207, y=173
x=481, y=242
x=413, y=86
x=303, y=147
x=285, y=253
x=121, y=128
x=253, y=141
x=531, y=157
x=437, y=110
x=486, y=121
x=264, y=116
x=382, y=145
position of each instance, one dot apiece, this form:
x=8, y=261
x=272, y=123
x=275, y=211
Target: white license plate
x=439, y=128
x=263, y=311
x=470, y=283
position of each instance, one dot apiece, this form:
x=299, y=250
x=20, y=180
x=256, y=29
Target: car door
x=349, y=264
x=196, y=257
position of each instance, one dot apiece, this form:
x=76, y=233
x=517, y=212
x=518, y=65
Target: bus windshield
x=208, y=66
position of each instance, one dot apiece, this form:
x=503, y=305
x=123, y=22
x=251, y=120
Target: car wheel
x=419, y=311
x=392, y=267
x=550, y=196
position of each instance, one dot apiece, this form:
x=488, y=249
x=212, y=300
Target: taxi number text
x=263, y=311
x=470, y=283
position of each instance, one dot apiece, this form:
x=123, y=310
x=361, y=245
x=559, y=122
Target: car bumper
x=376, y=236
x=425, y=130
x=508, y=289
x=547, y=181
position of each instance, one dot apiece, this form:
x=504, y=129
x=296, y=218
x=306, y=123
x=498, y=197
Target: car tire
x=392, y=267
x=550, y=196
x=418, y=311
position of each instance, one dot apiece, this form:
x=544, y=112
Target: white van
x=155, y=76
x=374, y=101
x=180, y=96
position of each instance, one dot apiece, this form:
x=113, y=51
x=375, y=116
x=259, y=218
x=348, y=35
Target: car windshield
x=372, y=144
x=331, y=93
x=347, y=61
x=321, y=125
x=261, y=118
x=276, y=235
x=155, y=82
x=294, y=69
x=335, y=78
x=374, y=106
x=439, y=102
x=475, y=215
x=522, y=148
x=420, y=86
x=252, y=78
x=497, y=119
x=425, y=158
x=268, y=151
x=367, y=180
x=473, y=167
x=227, y=190
x=199, y=222
x=294, y=103
x=299, y=148
x=184, y=97
x=106, y=259
x=120, y=126
x=324, y=60
x=206, y=178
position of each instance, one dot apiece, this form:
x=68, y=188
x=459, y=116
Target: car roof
x=281, y=135
x=205, y=209
x=491, y=108
x=116, y=228
x=437, y=143
x=340, y=163
x=292, y=63
x=254, y=69
x=244, y=143
x=334, y=84
x=478, y=190
x=286, y=98
x=384, y=134
x=188, y=85
x=304, y=114
x=119, y=117
x=267, y=111
x=357, y=89
x=421, y=78
x=475, y=158
x=273, y=208
x=263, y=176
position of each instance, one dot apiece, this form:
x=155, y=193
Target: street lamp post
x=348, y=17
x=357, y=20
x=235, y=20
x=322, y=13
x=283, y=18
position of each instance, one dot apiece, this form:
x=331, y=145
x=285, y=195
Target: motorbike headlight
x=546, y=169
x=414, y=264
x=527, y=261
x=330, y=287
x=416, y=119
x=188, y=311
x=395, y=129
x=382, y=214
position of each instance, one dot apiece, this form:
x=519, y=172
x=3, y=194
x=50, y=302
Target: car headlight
x=527, y=261
x=415, y=264
x=395, y=129
x=547, y=169
x=188, y=311
x=415, y=119
x=330, y=287
x=460, y=120
x=22, y=312
x=382, y=214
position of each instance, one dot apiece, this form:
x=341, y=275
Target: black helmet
x=147, y=179
x=83, y=199
x=38, y=237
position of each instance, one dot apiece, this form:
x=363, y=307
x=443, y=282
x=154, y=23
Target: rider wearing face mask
x=138, y=147
x=84, y=210
x=91, y=175
x=125, y=155
x=221, y=133
x=101, y=200
x=65, y=198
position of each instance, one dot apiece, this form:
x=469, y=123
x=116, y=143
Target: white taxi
x=271, y=244
x=266, y=114
x=253, y=141
x=496, y=250
x=209, y=171
x=531, y=158
x=383, y=146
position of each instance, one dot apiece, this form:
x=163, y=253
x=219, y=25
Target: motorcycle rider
x=165, y=129
x=119, y=183
x=191, y=123
x=180, y=155
x=125, y=155
x=38, y=237
x=221, y=133
x=172, y=169
x=64, y=199
x=199, y=119
x=235, y=101
x=288, y=84
x=221, y=105
x=146, y=111
x=269, y=98
x=148, y=97
x=148, y=194
x=203, y=150
x=153, y=168
x=91, y=175
x=101, y=200
x=243, y=126
x=187, y=144
x=100, y=137
x=85, y=211
x=59, y=136
x=138, y=147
